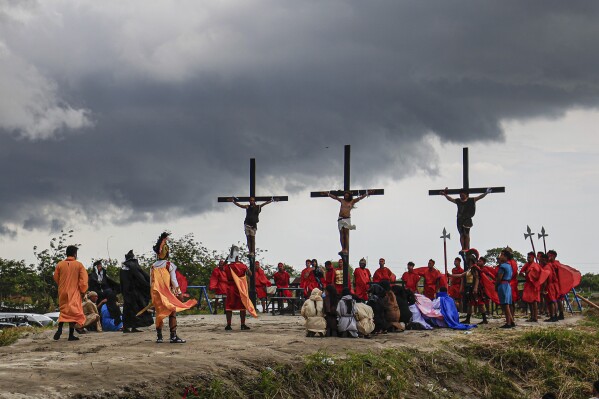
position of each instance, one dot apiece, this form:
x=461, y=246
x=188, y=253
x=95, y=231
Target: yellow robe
x=163, y=299
x=71, y=277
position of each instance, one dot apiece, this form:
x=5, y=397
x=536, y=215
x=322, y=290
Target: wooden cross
x=346, y=189
x=252, y=259
x=466, y=182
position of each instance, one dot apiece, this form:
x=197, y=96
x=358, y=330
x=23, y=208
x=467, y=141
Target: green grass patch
x=9, y=336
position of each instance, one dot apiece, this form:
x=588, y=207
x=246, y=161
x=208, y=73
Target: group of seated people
x=101, y=315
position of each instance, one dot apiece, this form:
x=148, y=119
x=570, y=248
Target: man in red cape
x=455, y=289
x=535, y=277
x=361, y=279
x=261, y=283
x=432, y=280
x=567, y=278
x=411, y=278
x=218, y=284
x=305, y=276
x=383, y=273
x=237, y=290
x=281, y=278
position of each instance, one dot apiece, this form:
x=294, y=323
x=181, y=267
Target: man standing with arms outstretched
x=71, y=277
x=251, y=222
x=466, y=211
x=344, y=220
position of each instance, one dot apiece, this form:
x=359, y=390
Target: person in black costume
x=135, y=286
x=376, y=293
x=402, y=296
x=99, y=282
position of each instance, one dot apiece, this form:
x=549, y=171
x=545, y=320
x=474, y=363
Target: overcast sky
x=120, y=119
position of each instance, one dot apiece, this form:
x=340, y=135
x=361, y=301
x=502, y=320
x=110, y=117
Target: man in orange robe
x=218, y=285
x=361, y=279
x=382, y=273
x=237, y=291
x=411, y=278
x=431, y=280
x=261, y=283
x=165, y=291
x=71, y=277
x=455, y=289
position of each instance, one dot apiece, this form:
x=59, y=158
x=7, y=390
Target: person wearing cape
x=261, y=284
x=218, y=284
x=135, y=287
x=165, y=291
x=361, y=280
x=411, y=278
x=237, y=290
x=382, y=273
x=567, y=278
x=455, y=289
x=535, y=277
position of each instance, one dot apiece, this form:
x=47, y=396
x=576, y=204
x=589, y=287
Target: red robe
x=361, y=279
x=306, y=280
x=552, y=283
x=261, y=283
x=567, y=276
x=234, y=300
x=535, y=277
x=455, y=289
x=382, y=274
x=411, y=280
x=218, y=281
x=487, y=280
x=514, y=280
x=430, y=282
x=282, y=281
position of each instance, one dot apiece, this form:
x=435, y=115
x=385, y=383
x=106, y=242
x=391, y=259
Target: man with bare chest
x=344, y=220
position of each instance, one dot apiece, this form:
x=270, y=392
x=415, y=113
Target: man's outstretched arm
x=267, y=202
x=237, y=203
x=482, y=195
x=444, y=192
x=361, y=197
x=331, y=195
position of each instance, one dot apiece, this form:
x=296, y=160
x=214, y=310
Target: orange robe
x=164, y=300
x=71, y=277
x=361, y=279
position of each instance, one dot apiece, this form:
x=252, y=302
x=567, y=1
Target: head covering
x=98, y=262
x=129, y=255
x=316, y=295
x=233, y=254
x=91, y=293
x=345, y=291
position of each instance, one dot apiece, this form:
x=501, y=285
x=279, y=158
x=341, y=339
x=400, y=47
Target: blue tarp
x=450, y=313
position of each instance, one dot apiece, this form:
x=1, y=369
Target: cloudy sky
x=120, y=119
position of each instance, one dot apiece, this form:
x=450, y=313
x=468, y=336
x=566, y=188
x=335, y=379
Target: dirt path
x=37, y=366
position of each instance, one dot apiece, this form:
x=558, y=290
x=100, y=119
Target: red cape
x=568, y=278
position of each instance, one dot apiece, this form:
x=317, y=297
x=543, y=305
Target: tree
x=493, y=253
x=47, y=260
x=19, y=283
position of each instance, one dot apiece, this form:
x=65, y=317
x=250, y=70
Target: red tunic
x=362, y=278
x=382, y=274
x=411, y=280
x=282, y=281
x=455, y=289
x=218, y=281
x=514, y=280
x=430, y=282
x=552, y=284
x=304, y=280
x=532, y=289
x=233, y=301
x=261, y=283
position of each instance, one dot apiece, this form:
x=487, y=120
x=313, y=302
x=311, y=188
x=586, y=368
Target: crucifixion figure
x=347, y=201
x=466, y=205
x=252, y=210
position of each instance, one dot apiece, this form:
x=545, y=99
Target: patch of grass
x=9, y=336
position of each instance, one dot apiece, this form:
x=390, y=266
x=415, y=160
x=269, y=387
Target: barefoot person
x=466, y=211
x=252, y=211
x=71, y=277
x=165, y=292
x=344, y=221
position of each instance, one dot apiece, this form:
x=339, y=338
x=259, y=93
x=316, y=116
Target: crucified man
x=466, y=210
x=344, y=221
x=251, y=221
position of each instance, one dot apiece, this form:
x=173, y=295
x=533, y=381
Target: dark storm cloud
x=180, y=98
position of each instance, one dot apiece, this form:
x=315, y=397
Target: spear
x=542, y=234
x=529, y=234
x=446, y=236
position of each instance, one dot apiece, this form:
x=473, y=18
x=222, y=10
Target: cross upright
x=466, y=206
x=346, y=190
x=275, y=198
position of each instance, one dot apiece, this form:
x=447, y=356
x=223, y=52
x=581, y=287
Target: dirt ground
x=39, y=367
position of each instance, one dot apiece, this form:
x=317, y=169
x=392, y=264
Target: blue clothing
x=450, y=313
x=504, y=290
x=107, y=321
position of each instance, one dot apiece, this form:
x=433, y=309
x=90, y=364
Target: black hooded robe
x=135, y=287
